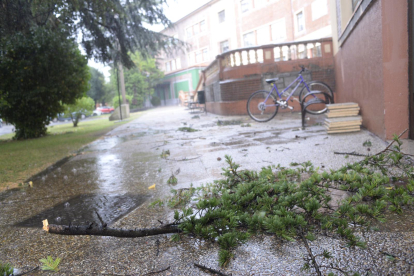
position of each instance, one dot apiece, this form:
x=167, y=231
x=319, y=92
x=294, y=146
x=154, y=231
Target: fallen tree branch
x=211, y=270
x=312, y=257
x=95, y=230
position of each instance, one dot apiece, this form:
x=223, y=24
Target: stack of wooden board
x=343, y=117
x=342, y=110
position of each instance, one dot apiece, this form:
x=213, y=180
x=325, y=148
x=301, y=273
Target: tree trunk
x=95, y=230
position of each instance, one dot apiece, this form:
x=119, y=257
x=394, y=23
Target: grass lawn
x=21, y=159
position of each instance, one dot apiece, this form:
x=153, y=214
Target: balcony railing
x=269, y=54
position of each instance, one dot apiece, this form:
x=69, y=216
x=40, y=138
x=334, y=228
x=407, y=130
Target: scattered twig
x=159, y=271
x=24, y=273
x=100, y=219
x=402, y=133
x=313, y=258
x=211, y=270
x=335, y=268
x=184, y=159
x=351, y=153
x=395, y=257
x=157, y=243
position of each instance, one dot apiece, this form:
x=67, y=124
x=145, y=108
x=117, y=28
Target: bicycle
x=262, y=105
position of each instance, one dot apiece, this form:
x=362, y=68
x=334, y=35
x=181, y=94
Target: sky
x=174, y=10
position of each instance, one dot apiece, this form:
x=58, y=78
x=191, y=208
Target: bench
x=304, y=105
x=199, y=102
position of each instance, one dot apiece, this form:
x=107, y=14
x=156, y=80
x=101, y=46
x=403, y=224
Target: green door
x=182, y=85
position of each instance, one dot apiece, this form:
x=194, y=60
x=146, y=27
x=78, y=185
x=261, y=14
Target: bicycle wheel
x=315, y=87
x=259, y=110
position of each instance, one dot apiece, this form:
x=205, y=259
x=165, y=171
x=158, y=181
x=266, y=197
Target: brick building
x=220, y=26
x=374, y=64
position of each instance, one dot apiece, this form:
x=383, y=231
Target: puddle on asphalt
x=84, y=208
x=234, y=143
x=108, y=142
x=265, y=138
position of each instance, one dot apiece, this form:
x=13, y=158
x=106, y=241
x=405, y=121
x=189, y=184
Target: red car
x=106, y=109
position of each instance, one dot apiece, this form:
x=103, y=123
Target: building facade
x=224, y=25
x=371, y=41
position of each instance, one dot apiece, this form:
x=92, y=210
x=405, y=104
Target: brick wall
x=241, y=89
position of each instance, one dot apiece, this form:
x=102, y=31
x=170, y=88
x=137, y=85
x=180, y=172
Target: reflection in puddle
x=84, y=208
x=109, y=173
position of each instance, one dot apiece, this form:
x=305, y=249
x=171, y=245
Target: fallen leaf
x=31, y=184
x=45, y=225
x=151, y=187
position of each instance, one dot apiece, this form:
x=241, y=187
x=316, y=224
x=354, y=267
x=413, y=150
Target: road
x=111, y=177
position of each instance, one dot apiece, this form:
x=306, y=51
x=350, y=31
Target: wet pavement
x=109, y=178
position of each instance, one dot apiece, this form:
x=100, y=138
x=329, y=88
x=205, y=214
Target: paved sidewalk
x=111, y=177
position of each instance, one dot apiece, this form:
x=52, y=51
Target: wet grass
x=22, y=159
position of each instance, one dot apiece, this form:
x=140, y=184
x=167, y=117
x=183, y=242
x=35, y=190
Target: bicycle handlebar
x=303, y=69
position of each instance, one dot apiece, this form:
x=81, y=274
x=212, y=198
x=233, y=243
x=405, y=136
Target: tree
x=97, y=89
x=139, y=81
x=83, y=106
x=117, y=99
x=39, y=70
x=110, y=29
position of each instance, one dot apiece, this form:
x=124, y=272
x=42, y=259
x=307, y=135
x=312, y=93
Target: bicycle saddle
x=271, y=80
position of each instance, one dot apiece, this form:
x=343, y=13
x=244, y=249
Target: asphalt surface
x=111, y=177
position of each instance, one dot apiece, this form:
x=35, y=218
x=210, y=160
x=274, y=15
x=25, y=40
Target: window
x=196, y=29
x=191, y=59
x=245, y=5
x=167, y=67
x=224, y=46
x=319, y=9
x=278, y=30
x=189, y=32
x=300, y=21
x=248, y=39
x=178, y=62
x=199, y=56
x=222, y=16
x=205, y=54
x=203, y=26
x=263, y=35
x=173, y=66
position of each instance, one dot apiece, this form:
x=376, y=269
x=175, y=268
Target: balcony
x=233, y=76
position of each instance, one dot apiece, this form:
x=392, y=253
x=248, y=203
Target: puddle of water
x=245, y=145
x=108, y=143
x=217, y=149
x=83, y=208
x=250, y=133
x=265, y=138
x=233, y=143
